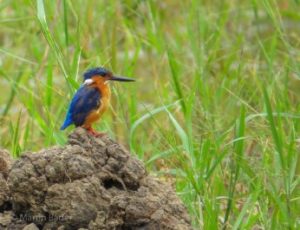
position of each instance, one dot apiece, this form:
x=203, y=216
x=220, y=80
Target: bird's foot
x=95, y=133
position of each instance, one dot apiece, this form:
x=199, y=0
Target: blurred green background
x=214, y=110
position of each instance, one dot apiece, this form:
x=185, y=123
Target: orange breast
x=104, y=103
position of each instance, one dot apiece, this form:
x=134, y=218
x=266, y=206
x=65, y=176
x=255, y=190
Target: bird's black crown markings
x=100, y=71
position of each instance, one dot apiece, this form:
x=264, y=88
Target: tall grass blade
x=276, y=137
x=235, y=168
x=54, y=46
x=176, y=79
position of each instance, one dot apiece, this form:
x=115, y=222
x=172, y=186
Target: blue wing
x=84, y=101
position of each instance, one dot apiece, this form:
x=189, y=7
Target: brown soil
x=91, y=183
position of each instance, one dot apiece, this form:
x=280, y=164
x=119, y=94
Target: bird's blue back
x=85, y=100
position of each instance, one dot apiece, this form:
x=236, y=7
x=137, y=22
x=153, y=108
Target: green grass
x=215, y=109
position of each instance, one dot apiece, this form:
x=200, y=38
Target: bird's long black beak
x=118, y=78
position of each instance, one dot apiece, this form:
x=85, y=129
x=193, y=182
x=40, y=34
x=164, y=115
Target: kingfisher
x=92, y=99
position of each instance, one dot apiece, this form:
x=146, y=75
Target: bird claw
x=95, y=133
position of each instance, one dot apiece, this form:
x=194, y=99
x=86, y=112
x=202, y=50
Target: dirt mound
x=91, y=183
x=5, y=164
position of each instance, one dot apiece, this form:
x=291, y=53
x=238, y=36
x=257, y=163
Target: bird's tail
x=64, y=126
x=66, y=123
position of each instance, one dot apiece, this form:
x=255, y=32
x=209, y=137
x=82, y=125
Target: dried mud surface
x=91, y=183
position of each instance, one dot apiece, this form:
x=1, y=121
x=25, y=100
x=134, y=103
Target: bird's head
x=101, y=75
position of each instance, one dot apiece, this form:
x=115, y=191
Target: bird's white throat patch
x=88, y=82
